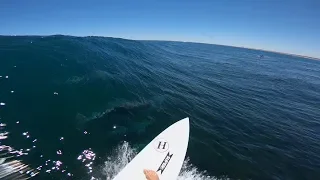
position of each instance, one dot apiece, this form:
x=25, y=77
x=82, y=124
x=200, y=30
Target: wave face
x=84, y=106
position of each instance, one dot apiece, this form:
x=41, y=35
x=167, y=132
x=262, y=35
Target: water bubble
x=58, y=163
x=12, y=91
x=55, y=93
x=7, y=77
x=2, y=104
x=18, y=122
x=62, y=138
x=114, y=127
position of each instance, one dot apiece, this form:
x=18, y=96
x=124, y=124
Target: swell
x=244, y=110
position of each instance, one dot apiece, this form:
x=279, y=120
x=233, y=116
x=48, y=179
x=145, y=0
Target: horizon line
x=243, y=47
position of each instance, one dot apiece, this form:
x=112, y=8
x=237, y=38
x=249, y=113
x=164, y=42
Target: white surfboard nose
x=183, y=124
x=164, y=154
x=185, y=121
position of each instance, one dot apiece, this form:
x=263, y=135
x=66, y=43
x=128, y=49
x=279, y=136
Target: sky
x=290, y=26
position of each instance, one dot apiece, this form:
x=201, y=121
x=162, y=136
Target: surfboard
x=164, y=154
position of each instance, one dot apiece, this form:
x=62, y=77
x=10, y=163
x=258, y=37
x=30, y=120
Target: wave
x=128, y=108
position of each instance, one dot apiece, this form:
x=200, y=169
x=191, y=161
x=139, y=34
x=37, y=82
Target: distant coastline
x=295, y=55
x=290, y=54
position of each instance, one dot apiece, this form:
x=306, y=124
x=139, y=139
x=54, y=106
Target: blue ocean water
x=82, y=107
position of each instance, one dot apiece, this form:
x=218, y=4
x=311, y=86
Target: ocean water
x=82, y=107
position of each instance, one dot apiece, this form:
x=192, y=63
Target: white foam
x=124, y=153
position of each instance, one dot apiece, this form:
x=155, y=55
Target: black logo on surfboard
x=165, y=162
x=161, y=145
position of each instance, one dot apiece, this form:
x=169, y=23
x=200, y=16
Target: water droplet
x=114, y=127
x=85, y=132
x=2, y=104
x=7, y=77
x=12, y=91
x=55, y=93
x=62, y=138
x=18, y=122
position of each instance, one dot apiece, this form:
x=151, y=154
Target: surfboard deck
x=164, y=154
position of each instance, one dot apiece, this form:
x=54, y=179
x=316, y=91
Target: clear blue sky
x=280, y=25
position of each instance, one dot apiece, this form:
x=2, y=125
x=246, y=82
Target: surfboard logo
x=161, y=145
x=165, y=162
